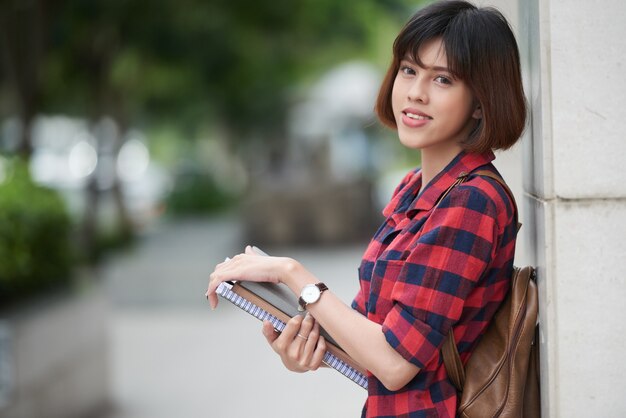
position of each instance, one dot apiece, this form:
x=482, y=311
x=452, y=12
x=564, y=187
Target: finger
x=298, y=339
x=286, y=337
x=210, y=295
x=269, y=332
x=229, y=269
x=293, y=326
x=302, y=338
x=311, y=343
x=222, y=263
x=214, y=282
x=213, y=300
x=307, y=325
x=250, y=251
x=318, y=355
x=259, y=251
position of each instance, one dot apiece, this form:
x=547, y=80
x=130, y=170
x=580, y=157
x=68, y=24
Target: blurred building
x=325, y=191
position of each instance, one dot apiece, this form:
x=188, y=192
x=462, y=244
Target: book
x=276, y=304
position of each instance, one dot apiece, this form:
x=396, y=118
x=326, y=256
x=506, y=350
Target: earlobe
x=478, y=113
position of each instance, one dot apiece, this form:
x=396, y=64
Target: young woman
x=440, y=261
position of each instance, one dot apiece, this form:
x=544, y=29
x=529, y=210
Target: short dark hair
x=481, y=50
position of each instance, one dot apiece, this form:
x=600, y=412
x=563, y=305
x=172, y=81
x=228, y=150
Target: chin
x=411, y=143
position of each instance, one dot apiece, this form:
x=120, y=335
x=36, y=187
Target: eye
x=405, y=69
x=443, y=79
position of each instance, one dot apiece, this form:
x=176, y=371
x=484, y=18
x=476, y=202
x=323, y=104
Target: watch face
x=310, y=293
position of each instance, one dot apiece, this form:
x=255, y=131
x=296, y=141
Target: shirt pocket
x=385, y=274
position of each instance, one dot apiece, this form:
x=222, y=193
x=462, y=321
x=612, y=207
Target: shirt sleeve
x=458, y=242
x=358, y=304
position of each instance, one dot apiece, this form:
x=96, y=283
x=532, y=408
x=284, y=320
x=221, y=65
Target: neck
x=434, y=161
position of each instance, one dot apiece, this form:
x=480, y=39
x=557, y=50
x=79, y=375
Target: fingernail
x=258, y=250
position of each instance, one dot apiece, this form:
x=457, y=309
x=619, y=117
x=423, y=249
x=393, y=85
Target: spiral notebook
x=276, y=304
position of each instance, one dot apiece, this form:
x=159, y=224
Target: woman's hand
x=249, y=266
x=300, y=346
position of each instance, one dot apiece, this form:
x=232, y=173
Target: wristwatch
x=310, y=294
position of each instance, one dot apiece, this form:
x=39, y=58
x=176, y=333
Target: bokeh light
x=82, y=159
x=133, y=160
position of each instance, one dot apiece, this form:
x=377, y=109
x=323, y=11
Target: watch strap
x=301, y=302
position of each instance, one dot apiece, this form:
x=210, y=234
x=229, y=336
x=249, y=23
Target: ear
x=478, y=112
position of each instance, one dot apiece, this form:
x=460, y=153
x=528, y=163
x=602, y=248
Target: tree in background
x=24, y=29
x=229, y=64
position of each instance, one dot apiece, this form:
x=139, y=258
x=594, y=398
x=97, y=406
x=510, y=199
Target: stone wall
x=575, y=185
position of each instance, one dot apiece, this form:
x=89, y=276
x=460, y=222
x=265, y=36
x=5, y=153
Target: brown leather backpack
x=501, y=377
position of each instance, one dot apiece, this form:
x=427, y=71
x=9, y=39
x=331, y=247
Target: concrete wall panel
x=575, y=185
x=591, y=293
x=588, y=59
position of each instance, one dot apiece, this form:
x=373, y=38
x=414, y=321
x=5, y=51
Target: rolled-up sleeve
x=445, y=262
x=358, y=303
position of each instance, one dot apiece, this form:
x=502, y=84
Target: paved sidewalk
x=171, y=356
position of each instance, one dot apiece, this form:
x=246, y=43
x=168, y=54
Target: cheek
x=394, y=102
x=461, y=109
x=395, y=97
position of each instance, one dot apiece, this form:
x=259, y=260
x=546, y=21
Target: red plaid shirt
x=429, y=269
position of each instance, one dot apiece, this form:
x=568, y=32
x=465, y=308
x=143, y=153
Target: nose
x=418, y=91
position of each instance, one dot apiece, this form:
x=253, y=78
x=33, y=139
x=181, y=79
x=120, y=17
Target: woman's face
x=433, y=110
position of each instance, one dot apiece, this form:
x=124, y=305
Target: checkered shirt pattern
x=433, y=267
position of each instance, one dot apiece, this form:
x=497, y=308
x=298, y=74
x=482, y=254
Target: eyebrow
x=437, y=68
x=433, y=68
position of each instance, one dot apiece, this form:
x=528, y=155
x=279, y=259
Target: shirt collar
x=463, y=164
x=406, y=204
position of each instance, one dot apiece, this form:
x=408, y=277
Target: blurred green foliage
x=195, y=62
x=234, y=66
x=35, y=253
x=228, y=67
x=231, y=64
x=197, y=193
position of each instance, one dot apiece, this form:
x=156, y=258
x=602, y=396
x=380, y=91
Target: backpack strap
x=449, y=351
x=452, y=362
x=500, y=180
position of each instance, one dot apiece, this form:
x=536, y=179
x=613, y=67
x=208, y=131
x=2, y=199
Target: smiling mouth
x=417, y=117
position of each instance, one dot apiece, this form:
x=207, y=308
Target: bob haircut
x=481, y=51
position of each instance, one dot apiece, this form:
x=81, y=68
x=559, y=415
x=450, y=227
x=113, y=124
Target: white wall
x=575, y=199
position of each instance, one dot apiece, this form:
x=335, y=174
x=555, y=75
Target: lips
x=417, y=117
x=413, y=118
x=416, y=114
